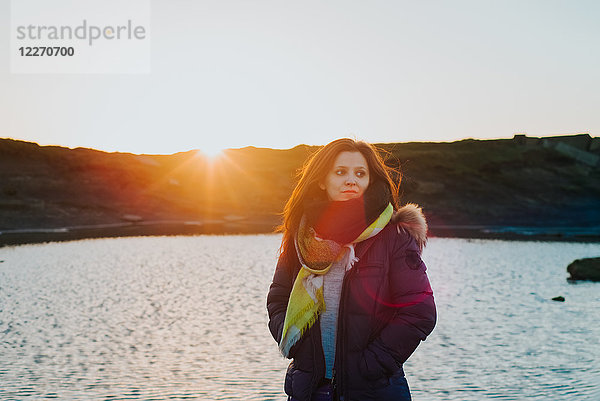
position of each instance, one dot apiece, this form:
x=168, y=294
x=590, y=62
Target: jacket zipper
x=333, y=383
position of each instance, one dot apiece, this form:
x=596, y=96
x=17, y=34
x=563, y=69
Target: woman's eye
x=360, y=174
x=339, y=172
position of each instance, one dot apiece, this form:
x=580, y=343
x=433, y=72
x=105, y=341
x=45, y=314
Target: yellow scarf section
x=306, y=299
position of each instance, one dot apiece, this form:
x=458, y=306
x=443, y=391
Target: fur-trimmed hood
x=411, y=219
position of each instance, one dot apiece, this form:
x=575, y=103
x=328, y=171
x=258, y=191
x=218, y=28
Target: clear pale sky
x=280, y=73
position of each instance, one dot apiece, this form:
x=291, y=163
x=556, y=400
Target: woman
x=350, y=300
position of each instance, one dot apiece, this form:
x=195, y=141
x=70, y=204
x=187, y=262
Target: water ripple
x=183, y=318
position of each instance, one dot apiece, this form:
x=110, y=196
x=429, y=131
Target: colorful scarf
x=318, y=243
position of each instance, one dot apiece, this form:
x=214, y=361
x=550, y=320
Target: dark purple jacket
x=386, y=310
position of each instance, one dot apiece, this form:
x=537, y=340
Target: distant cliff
x=537, y=182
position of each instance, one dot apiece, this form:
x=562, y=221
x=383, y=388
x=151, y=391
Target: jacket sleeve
x=414, y=313
x=279, y=294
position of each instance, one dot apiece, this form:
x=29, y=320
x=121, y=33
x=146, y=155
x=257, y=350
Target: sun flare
x=211, y=152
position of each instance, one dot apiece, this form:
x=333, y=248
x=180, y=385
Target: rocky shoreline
x=221, y=227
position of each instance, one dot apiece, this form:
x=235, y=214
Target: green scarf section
x=316, y=256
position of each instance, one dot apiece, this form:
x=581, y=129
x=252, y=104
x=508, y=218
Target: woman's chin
x=344, y=196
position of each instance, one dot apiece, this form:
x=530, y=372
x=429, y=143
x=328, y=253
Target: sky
x=229, y=74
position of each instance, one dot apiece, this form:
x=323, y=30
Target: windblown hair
x=316, y=169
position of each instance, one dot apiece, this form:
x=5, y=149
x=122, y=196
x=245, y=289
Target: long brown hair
x=316, y=169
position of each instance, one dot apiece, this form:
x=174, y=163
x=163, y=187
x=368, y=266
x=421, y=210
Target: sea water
x=154, y=318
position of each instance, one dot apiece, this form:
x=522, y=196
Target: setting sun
x=211, y=152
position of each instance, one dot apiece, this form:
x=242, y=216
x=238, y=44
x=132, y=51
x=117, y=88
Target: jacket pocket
x=289, y=377
x=370, y=269
x=360, y=379
x=297, y=382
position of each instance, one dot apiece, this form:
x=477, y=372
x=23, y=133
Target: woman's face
x=348, y=177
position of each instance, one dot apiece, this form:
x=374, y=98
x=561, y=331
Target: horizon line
x=295, y=146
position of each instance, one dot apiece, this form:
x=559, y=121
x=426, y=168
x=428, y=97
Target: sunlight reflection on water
x=185, y=318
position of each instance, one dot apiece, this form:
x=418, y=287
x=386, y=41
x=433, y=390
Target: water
x=185, y=318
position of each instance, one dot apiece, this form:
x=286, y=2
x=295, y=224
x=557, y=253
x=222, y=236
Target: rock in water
x=559, y=298
x=585, y=269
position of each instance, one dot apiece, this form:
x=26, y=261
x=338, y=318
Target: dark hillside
x=499, y=183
